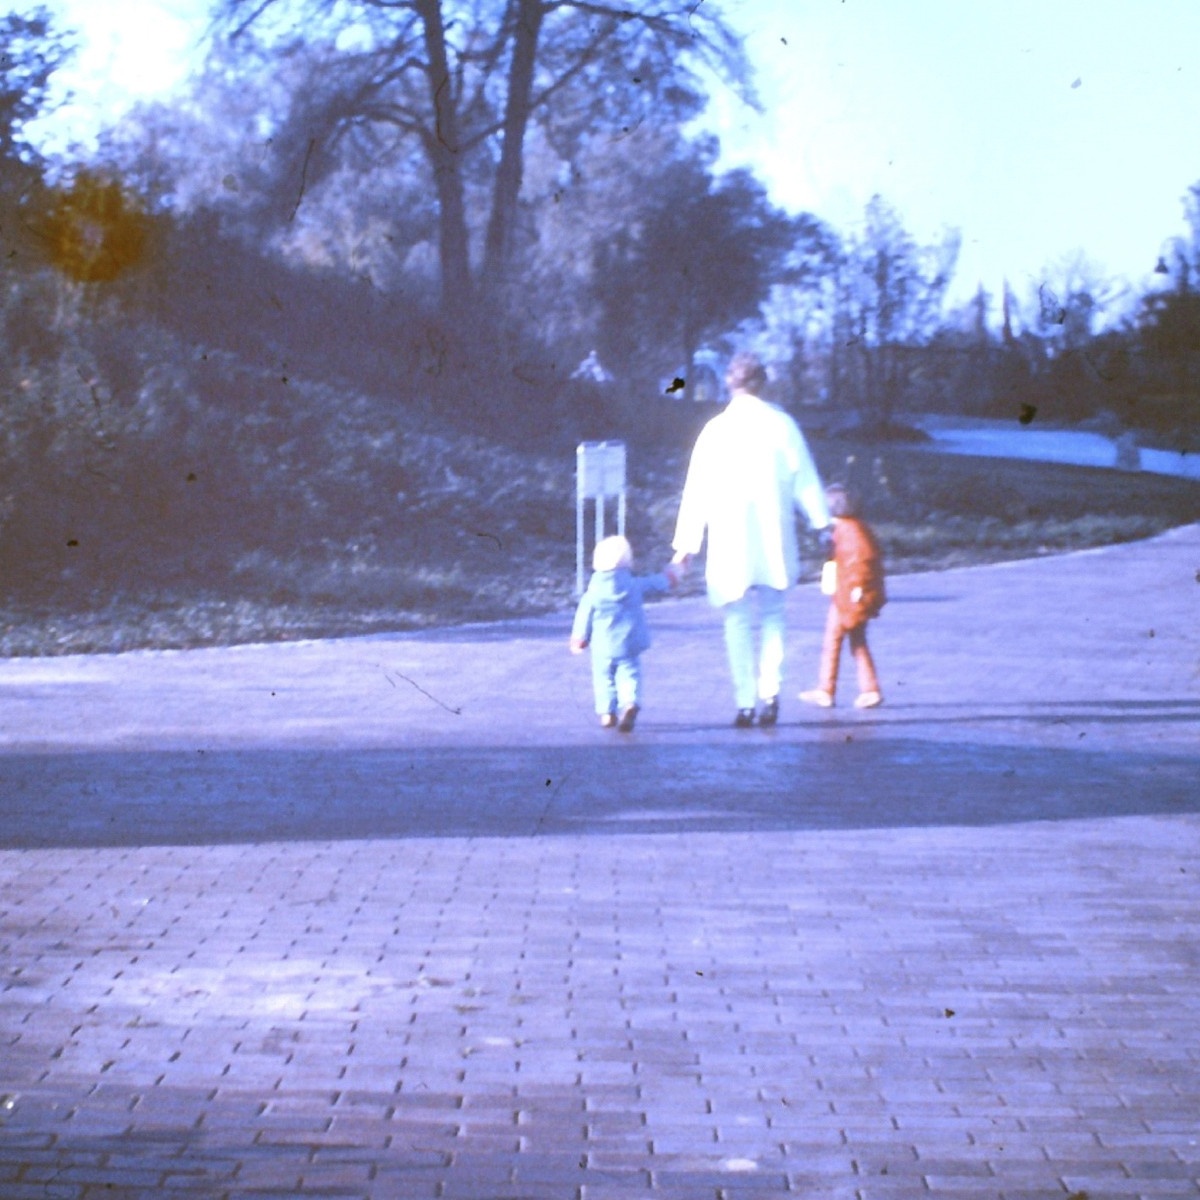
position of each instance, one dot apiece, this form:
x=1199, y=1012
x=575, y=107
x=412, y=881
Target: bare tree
x=463, y=80
x=889, y=300
x=1170, y=318
x=700, y=258
x=1069, y=300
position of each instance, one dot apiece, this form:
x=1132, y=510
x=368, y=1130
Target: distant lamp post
x=1175, y=263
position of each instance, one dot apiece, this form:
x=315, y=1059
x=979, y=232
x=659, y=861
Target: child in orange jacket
x=858, y=596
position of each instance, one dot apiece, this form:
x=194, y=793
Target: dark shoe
x=769, y=713
x=608, y=720
x=744, y=718
x=627, y=719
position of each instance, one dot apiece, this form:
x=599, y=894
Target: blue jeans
x=617, y=682
x=755, y=676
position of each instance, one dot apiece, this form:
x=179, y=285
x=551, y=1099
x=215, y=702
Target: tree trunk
x=869, y=358
x=689, y=366
x=690, y=342
x=888, y=375
x=444, y=150
x=833, y=377
x=507, y=188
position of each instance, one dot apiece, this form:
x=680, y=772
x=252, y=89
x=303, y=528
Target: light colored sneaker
x=869, y=700
x=817, y=696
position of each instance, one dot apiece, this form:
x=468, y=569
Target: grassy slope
x=481, y=533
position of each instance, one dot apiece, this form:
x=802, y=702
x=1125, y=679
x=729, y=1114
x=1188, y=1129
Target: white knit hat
x=611, y=553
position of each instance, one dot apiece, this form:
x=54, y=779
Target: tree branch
x=244, y=25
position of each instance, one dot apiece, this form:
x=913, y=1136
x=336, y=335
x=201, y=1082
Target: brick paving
x=391, y=917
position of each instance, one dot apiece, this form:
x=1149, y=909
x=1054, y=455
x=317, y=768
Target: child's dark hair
x=841, y=500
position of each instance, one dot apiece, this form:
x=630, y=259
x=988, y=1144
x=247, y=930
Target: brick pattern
x=388, y=919
x=1009, y=1012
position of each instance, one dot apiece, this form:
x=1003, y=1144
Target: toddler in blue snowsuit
x=612, y=620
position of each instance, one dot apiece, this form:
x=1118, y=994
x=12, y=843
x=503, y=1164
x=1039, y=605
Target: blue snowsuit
x=612, y=620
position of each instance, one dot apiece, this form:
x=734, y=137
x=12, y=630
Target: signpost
x=599, y=476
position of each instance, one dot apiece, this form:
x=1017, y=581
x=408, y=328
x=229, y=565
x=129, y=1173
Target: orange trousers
x=831, y=653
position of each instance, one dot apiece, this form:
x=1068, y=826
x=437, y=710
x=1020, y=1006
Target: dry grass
x=484, y=534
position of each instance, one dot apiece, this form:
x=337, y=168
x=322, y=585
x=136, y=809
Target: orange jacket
x=860, y=592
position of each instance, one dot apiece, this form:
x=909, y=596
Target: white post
x=599, y=473
x=578, y=542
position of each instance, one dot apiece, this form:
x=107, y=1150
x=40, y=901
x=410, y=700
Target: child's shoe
x=817, y=696
x=768, y=714
x=869, y=700
x=744, y=718
x=608, y=720
x=627, y=719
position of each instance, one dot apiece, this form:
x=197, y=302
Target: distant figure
x=750, y=471
x=592, y=369
x=612, y=620
x=1128, y=455
x=857, y=596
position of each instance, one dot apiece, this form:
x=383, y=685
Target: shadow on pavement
x=256, y=795
x=1046, y=716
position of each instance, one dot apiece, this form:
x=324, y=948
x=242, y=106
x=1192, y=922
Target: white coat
x=751, y=470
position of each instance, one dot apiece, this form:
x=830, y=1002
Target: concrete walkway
x=392, y=917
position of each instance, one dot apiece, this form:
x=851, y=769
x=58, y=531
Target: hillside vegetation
x=228, y=506
x=306, y=348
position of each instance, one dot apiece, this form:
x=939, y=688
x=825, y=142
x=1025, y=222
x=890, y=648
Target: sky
x=127, y=50
x=1040, y=129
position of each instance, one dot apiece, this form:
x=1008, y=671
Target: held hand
x=681, y=562
x=578, y=645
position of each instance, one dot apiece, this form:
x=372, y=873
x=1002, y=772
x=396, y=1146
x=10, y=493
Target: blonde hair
x=611, y=553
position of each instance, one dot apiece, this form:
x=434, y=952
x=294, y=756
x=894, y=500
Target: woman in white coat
x=750, y=472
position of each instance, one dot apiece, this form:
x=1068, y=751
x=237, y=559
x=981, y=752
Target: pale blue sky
x=1037, y=127
x=128, y=49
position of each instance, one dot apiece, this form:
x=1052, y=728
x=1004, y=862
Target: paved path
x=392, y=917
